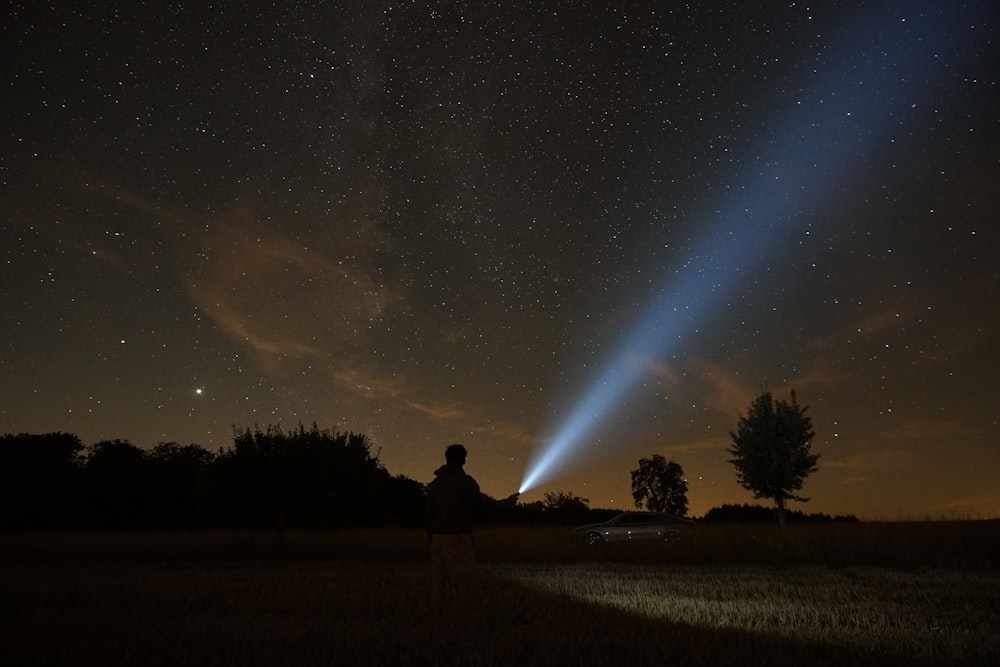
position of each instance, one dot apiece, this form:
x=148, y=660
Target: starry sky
x=437, y=222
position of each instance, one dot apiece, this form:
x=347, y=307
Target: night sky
x=437, y=222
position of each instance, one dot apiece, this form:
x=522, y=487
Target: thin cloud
x=278, y=297
x=400, y=393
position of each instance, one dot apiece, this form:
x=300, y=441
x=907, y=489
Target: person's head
x=455, y=454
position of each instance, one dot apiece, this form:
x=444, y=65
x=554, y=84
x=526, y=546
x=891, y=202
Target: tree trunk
x=780, y=502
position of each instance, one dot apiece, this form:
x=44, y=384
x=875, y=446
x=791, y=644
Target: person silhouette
x=454, y=501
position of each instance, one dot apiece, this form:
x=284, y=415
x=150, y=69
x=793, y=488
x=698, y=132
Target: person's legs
x=453, y=560
x=461, y=561
x=438, y=577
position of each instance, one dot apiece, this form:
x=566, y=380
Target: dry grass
x=724, y=597
x=943, y=615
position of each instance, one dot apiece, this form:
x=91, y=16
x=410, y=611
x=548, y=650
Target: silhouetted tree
x=305, y=477
x=177, y=484
x=117, y=484
x=771, y=450
x=660, y=485
x=402, y=501
x=40, y=479
x=565, y=507
x=556, y=501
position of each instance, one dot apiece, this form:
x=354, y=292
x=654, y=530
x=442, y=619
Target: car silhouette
x=635, y=526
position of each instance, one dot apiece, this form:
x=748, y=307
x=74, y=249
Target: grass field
x=862, y=594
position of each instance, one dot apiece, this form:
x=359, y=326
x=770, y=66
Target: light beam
x=841, y=116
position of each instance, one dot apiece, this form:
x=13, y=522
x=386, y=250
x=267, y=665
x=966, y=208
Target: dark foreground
x=360, y=599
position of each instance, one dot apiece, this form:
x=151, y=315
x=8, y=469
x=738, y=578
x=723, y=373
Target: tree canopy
x=269, y=478
x=556, y=501
x=659, y=484
x=771, y=450
x=40, y=478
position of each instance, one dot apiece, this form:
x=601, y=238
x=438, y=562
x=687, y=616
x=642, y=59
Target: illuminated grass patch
x=923, y=613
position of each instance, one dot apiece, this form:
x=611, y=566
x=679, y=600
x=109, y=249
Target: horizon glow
x=863, y=92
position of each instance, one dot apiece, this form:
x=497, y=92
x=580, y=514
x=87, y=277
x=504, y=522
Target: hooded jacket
x=453, y=499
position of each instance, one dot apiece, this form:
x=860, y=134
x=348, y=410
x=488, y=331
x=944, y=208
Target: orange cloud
x=399, y=392
x=277, y=296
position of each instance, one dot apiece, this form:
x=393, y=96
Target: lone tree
x=660, y=484
x=771, y=450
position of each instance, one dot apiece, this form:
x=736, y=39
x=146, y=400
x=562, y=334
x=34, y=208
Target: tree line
x=314, y=477
x=268, y=478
